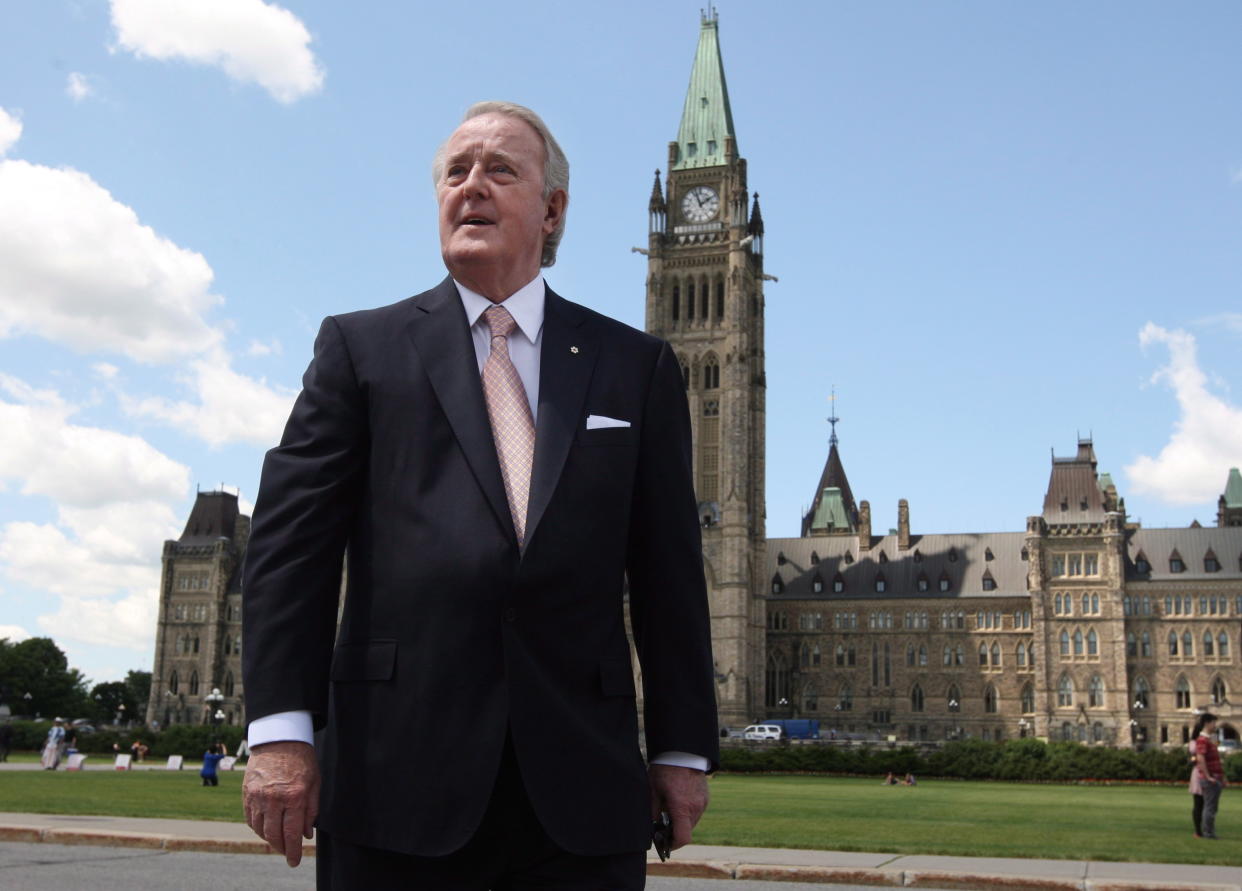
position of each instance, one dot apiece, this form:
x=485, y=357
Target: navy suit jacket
x=451, y=636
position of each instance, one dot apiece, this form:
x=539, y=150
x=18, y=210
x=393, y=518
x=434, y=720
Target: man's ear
x=554, y=210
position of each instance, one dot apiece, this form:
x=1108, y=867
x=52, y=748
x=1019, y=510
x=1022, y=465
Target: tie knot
x=499, y=321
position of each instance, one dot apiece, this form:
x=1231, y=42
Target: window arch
x=1078, y=642
x=1065, y=646
x=810, y=699
x=1065, y=692
x=173, y=683
x=840, y=654
x=1028, y=698
x=1095, y=692
x=1188, y=645
x=1131, y=644
x=983, y=654
x=846, y=699
x=1209, y=645
x=1218, y=691
x=953, y=698
x=1182, y=692
x=1021, y=655
x=228, y=684
x=777, y=680
x=675, y=304
x=194, y=683
x=996, y=654
x=922, y=655
x=1093, y=643
x=910, y=655
x=948, y=655
x=916, y=699
x=1222, y=645
x=1172, y=643
x=989, y=699
x=1142, y=693
x=805, y=654
x=711, y=372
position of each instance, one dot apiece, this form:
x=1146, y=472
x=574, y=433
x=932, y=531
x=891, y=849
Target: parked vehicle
x=796, y=728
x=762, y=731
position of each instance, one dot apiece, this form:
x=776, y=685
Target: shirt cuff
x=681, y=759
x=281, y=727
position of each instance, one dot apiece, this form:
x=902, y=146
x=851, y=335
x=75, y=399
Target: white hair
x=555, y=164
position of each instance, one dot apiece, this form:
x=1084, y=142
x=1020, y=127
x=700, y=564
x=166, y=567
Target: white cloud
x=78, y=87
x=105, y=371
x=99, y=561
x=1206, y=439
x=78, y=268
x=1230, y=321
x=258, y=348
x=10, y=131
x=228, y=406
x=78, y=466
x=14, y=633
x=250, y=40
x=127, y=621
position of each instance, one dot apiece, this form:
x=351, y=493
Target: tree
x=139, y=684
x=109, y=698
x=38, y=667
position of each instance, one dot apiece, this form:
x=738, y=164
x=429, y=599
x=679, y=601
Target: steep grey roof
x=1074, y=494
x=214, y=516
x=963, y=559
x=833, y=477
x=1192, y=545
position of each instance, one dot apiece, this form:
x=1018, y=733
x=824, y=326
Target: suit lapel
x=566, y=362
x=442, y=339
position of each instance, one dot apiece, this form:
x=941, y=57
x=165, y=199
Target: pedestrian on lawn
x=1210, y=773
x=211, y=759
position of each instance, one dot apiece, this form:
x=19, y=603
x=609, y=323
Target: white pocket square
x=598, y=422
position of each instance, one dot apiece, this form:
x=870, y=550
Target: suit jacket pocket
x=608, y=436
x=374, y=660
x=616, y=677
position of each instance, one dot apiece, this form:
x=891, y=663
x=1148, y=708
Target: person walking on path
x=52, y=746
x=1210, y=773
x=211, y=760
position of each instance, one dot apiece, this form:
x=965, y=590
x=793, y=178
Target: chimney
x=903, y=525
x=864, y=526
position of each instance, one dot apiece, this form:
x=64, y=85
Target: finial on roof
x=833, y=420
x=756, y=218
x=657, y=194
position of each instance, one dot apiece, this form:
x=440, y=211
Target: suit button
x=510, y=615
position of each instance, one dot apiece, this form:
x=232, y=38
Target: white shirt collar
x=525, y=305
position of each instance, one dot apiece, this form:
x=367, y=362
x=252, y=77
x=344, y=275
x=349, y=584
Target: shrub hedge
x=1020, y=759
x=190, y=740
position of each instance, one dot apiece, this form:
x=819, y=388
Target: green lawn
x=1138, y=823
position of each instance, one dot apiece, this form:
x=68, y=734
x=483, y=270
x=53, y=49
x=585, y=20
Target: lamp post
x=120, y=715
x=1136, y=729
x=1023, y=726
x=213, y=700
x=28, y=698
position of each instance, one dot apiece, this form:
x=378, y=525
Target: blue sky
x=996, y=226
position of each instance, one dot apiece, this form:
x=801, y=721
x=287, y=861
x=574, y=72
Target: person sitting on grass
x=909, y=780
x=211, y=759
x=890, y=780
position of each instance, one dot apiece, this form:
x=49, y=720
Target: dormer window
x=1141, y=564
x=883, y=557
x=1064, y=505
x=880, y=583
x=780, y=558
x=838, y=584
x=918, y=556
x=952, y=555
x=987, y=555
x=849, y=558
x=1210, y=563
x=1082, y=505
x=814, y=558
x=923, y=584
x=817, y=584
x=944, y=582
x=1176, y=564
x=777, y=584
x=989, y=583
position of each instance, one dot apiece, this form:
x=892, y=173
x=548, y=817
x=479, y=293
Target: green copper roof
x=1233, y=489
x=707, y=118
x=830, y=516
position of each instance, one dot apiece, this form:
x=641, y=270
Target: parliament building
x=1083, y=625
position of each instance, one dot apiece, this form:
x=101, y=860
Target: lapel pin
x=574, y=350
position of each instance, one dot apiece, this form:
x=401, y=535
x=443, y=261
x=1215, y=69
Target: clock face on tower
x=700, y=204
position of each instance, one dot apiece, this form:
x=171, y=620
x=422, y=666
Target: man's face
x=493, y=216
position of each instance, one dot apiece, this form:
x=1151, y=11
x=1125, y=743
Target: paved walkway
x=701, y=861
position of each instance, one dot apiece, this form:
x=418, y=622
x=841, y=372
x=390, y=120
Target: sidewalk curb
x=700, y=869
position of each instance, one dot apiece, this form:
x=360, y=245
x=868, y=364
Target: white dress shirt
x=526, y=307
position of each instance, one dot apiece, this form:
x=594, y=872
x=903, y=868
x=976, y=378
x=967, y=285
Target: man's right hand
x=281, y=795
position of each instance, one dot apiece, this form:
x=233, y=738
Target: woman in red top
x=1209, y=772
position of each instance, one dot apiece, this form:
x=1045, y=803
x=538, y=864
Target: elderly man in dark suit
x=499, y=462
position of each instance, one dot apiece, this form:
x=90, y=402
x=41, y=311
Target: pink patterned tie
x=513, y=428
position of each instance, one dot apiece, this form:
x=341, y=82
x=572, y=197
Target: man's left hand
x=682, y=793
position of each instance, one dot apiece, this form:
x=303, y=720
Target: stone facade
x=198, y=637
